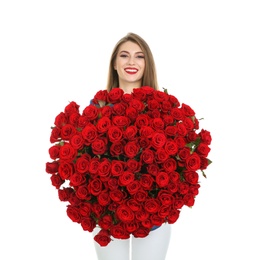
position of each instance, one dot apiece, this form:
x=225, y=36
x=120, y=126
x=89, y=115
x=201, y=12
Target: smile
x=131, y=70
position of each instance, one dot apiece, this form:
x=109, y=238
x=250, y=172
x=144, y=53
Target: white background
x=207, y=54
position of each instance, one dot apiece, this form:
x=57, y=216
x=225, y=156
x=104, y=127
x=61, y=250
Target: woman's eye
x=123, y=55
x=140, y=57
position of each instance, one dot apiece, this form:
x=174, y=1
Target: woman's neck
x=128, y=88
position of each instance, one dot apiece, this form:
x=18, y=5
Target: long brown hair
x=150, y=75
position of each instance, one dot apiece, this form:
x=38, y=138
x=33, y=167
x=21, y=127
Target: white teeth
x=133, y=70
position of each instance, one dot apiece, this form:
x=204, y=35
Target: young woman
x=132, y=66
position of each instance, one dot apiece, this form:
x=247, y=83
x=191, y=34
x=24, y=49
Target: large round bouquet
x=127, y=162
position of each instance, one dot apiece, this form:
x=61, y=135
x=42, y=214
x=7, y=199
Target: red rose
x=131, y=113
x=188, y=199
x=56, y=180
x=54, y=152
x=165, y=197
x=152, y=205
x=161, y=155
x=137, y=104
x=142, y=120
x=140, y=195
x=52, y=167
x=93, y=165
x=133, y=187
x=91, y=112
x=121, y=121
x=67, y=152
x=166, y=106
x=82, y=121
x=65, y=193
x=188, y=123
x=118, y=231
x=158, y=220
x=89, y=133
x=173, y=216
x=183, y=187
x=126, y=178
x=74, y=118
x=55, y=135
x=95, y=186
x=203, y=149
x=134, y=205
x=142, y=215
x=177, y=114
x=74, y=200
x=146, y=181
x=106, y=111
x=147, y=156
x=171, y=147
x=171, y=130
x=83, y=192
x=102, y=238
x=71, y=108
x=205, y=136
x=115, y=95
x=116, y=195
x=116, y=148
x=105, y=222
x=157, y=123
x=77, y=179
x=101, y=95
x=204, y=162
x=77, y=141
x=115, y=134
x=162, y=179
x=141, y=232
x=85, y=209
x=153, y=104
x=131, y=149
x=139, y=94
x=181, y=129
x=146, y=131
x=61, y=119
x=73, y=214
x=131, y=227
x=124, y=213
x=98, y=210
x=88, y=224
x=193, y=162
x=99, y=146
x=103, y=198
x=119, y=109
x=169, y=165
x=103, y=124
x=117, y=167
x=65, y=170
x=158, y=140
x=174, y=101
x=191, y=177
x=130, y=133
x=133, y=165
x=67, y=131
x=82, y=164
x=160, y=96
x=192, y=136
x=153, y=169
x=187, y=110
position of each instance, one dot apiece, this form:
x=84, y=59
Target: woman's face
x=130, y=64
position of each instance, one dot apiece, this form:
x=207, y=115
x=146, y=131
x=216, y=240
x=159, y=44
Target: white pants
x=152, y=247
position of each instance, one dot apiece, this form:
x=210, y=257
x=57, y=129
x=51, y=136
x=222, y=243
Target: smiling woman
x=128, y=163
x=130, y=65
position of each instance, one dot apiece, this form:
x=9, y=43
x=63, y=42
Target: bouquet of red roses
x=128, y=162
